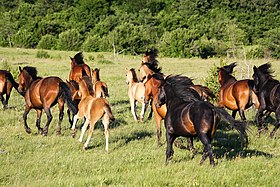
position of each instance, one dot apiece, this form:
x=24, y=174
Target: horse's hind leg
x=277, y=115
x=106, y=121
x=84, y=128
x=191, y=147
x=133, y=109
x=169, y=150
x=2, y=100
x=49, y=119
x=38, y=121
x=27, y=129
x=207, y=148
x=61, y=114
x=92, y=124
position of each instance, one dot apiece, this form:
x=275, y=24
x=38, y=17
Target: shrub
x=47, y=42
x=42, y=54
x=104, y=62
x=69, y=40
x=91, y=44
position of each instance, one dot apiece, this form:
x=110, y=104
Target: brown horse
x=93, y=109
x=150, y=56
x=189, y=116
x=78, y=67
x=41, y=94
x=235, y=95
x=136, y=93
x=152, y=84
x=5, y=87
x=100, y=88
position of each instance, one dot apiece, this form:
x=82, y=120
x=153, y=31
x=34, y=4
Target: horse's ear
x=255, y=68
x=20, y=69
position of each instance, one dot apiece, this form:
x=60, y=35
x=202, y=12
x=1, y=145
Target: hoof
x=28, y=130
x=85, y=148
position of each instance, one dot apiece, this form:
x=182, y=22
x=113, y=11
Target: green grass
x=134, y=158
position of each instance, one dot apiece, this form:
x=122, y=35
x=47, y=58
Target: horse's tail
x=104, y=90
x=208, y=92
x=108, y=110
x=238, y=125
x=66, y=92
x=11, y=79
x=253, y=98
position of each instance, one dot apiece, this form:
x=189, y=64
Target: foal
x=136, y=93
x=100, y=88
x=92, y=109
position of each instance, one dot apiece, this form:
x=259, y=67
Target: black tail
x=65, y=90
x=104, y=91
x=238, y=125
x=11, y=79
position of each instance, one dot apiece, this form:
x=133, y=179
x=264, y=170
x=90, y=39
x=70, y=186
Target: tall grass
x=134, y=158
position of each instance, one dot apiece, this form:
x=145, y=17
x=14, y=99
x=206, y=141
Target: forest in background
x=177, y=28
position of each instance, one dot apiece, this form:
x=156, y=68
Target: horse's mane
x=134, y=76
x=229, y=68
x=79, y=59
x=32, y=71
x=266, y=71
x=152, y=53
x=74, y=84
x=89, y=84
x=153, y=66
x=181, y=88
x=158, y=76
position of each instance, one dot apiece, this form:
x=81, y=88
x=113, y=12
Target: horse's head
x=95, y=74
x=131, y=76
x=261, y=75
x=152, y=84
x=26, y=76
x=225, y=73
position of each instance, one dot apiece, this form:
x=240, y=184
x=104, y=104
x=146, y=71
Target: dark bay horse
x=189, y=116
x=5, y=87
x=78, y=67
x=268, y=91
x=235, y=95
x=41, y=94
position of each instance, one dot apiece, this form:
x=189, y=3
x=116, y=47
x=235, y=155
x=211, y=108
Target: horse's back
x=137, y=91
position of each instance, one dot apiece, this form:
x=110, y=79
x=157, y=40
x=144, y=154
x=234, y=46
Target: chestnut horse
x=41, y=94
x=136, y=93
x=235, y=95
x=268, y=91
x=5, y=87
x=93, y=109
x=78, y=67
x=100, y=88
x=188, y=115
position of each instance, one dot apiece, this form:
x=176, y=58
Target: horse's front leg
x=277, y=115
x=49, y=119
x=169, y=150
x=38, y=121
x=26, y=111
x=259, y=121
x=106, y=122
x=84, y=128
x=3, y=100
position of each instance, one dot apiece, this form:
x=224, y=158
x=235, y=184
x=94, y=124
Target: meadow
x=134, y=159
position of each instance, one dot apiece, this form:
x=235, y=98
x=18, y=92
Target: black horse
x=189, y=116
x=268, y=91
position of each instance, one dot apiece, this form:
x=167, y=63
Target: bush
x=256, y=51
x=42, y=54
x=69, y=40
x=104, y=62
x=211, y=81
x=91, y=44
x=47, y=42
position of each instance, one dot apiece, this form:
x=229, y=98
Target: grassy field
x=134, y=158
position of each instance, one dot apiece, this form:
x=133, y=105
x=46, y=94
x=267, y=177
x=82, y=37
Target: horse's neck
x=96, y=77
x=85, y=92
x=227, y=79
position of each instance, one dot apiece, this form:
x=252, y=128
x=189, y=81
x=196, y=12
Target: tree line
x=177, y=28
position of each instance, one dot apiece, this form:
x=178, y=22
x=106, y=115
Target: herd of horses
x=186, y=108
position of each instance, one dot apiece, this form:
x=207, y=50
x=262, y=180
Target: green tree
x=69, y=40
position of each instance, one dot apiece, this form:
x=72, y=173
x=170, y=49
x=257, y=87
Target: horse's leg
x=26, y=111
x=73, y=128
x=49, y=119
x=2, y=100
x=190, y=143
x=233, y=114
x=151, y=112
x=207, y=148
x=106, y=121
x=144, y=107
x=70, y=119
x=8, y=93
x=169, y=150
x=265, y=116
x=259, y=117
x=277, y=115
x=84, y=128
x=91, y=127
x=38, y=121
x=61, y=114
x=133, y=109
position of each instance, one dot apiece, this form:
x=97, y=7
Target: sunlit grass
x=134, y=158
